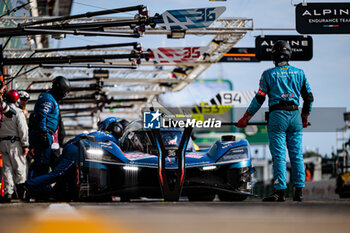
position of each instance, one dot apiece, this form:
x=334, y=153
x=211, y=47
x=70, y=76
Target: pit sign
x=301, y=47
x=323, y=18
x=236, y=97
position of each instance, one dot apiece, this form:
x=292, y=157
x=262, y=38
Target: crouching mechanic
x=111, y=130
x=284, y=84
x=13, y=147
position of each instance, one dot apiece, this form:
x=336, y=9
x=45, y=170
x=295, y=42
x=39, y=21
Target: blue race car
x=162, y=163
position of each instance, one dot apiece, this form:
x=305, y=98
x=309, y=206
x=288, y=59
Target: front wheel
x=201, y=197
x=231, y=197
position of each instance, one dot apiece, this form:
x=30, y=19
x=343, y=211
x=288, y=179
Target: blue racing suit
x=46, y=119
x=284, y=85
x=40, y=184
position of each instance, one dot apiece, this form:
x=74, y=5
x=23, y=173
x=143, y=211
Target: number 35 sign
x=236, y=97
x=177, y=54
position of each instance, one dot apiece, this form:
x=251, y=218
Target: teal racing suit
x=284, y=85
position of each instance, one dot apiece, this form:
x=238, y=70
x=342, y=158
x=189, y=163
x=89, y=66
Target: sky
x=328, y=72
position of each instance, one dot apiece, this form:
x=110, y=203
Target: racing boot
x=298, y=194
x=21, y=191
x=278, y=195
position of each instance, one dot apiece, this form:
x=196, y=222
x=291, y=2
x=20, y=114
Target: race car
x=162, y=163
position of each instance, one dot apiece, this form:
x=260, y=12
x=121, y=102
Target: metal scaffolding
x=102, y=95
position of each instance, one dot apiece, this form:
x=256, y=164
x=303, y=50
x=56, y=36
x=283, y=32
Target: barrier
x=320, y=190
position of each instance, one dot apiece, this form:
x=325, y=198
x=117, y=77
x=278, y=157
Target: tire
x=232, y=197
x=209, y=197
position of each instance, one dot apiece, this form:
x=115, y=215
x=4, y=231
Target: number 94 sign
x=236, y=97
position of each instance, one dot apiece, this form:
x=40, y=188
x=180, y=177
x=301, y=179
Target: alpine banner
x=323, y=18
x=301, y=47
x=240, y=55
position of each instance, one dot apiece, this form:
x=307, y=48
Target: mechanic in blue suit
x=45, y=123
x=284, y=84
x=109, y=130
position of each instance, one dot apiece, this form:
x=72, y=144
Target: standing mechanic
x=23, y=100
x=5, y=109
x=284, y=84
x=13, y=147
x=45, y=123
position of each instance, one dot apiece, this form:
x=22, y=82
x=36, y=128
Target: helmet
x=60, y=87
x=281, y=51
x=116, y=129
x=24, y=95
x=135, y=138
x=113, y=125
x=12, y=96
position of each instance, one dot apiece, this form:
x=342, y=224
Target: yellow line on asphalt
x=63, y=218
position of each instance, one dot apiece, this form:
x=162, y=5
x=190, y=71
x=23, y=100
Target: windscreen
x=143, y=141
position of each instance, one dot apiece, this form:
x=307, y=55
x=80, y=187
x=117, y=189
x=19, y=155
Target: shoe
x=21, y=191
x=6, y=199
x=278, y=195
x=298, y=194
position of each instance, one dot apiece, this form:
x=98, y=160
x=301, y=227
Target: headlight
x=130, y=168
x=95, y=153
x=208, y=168
x=235, y=154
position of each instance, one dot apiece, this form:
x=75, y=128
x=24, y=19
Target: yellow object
x=196, y=147
x=346, y=177
x=204, y=108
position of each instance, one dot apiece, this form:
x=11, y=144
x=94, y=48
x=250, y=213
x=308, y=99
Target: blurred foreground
x=165, y=217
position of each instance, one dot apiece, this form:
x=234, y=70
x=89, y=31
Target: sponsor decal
x=288, y=95
x=262, y=93
x=240, y=55
x=194, y=156
x=136, y=156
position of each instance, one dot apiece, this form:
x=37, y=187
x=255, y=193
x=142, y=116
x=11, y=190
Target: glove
x=304, y=117
x=243, y=122
x=25, y=151
x=44, y=138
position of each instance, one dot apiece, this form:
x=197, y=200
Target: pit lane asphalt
x=183, y=216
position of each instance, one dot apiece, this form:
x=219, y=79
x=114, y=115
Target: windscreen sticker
x=194, y=155
x=136, y=156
